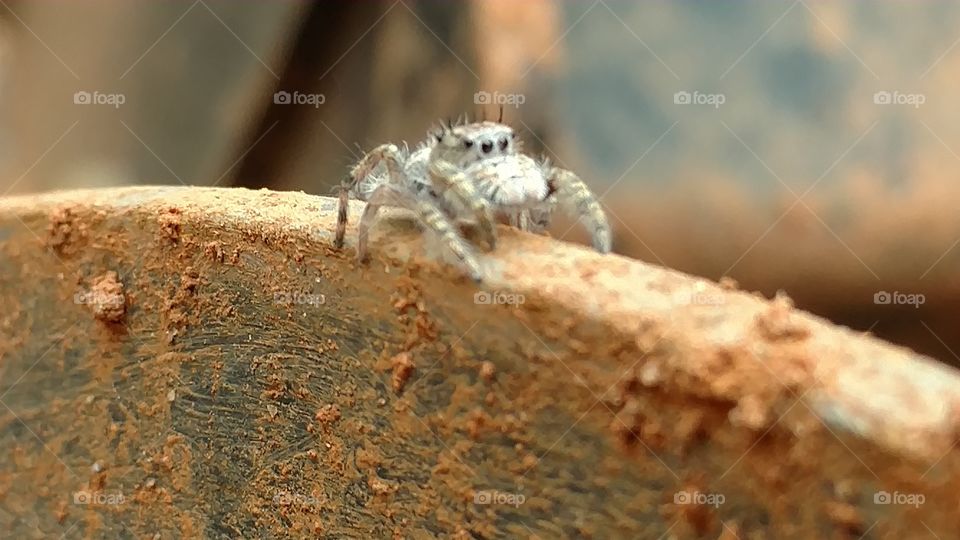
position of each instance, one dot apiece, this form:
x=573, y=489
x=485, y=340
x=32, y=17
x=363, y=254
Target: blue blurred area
x=798, y=80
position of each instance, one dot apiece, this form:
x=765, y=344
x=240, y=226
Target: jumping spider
x=467, y=172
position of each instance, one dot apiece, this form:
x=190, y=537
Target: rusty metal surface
x=236, y=377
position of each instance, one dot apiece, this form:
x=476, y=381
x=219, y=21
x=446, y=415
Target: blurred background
x=804, y=146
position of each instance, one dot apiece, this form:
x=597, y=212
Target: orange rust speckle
x=845, y=516
x=752, y=412
x=778, y=322
x=476, y=422
x=61, y=512
x=727, y=283
x=328, y=414
x=214, y=250
x=380, y=486
x=61, y=229
x=106, y=299
x=487, y=371
x=170, y=224
x=402, y=370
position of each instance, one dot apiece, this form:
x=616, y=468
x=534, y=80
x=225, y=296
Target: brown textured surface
x=260, y=384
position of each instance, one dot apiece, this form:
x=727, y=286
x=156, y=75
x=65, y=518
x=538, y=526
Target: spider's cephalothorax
x=470, y=172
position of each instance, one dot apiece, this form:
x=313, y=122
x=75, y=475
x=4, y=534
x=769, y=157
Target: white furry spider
x=468, y=172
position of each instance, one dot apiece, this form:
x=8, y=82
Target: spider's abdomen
x=509, y=181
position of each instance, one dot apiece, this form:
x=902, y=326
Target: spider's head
x=466, y=144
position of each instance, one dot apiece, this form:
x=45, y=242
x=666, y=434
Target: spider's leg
x=388, y=154
x=520, y=220
x=428, y=213
x=343, y=204
x=445, y=176
x=536, y=219
x=575, y=197
x=385, y=195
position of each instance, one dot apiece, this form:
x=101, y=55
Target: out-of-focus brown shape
x=192, y=76
x=387, y=70
x=516, y=39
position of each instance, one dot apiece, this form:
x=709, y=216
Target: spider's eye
x=468, y=143
x=487, y=146
x=503, y=143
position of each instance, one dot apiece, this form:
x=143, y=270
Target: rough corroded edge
x=888, y=395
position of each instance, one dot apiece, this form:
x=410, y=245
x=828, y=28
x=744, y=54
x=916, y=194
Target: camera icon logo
x=682, y=497
x=482, y=98
x=882, y=298
x=682, y=98
x=482, y=497
x=82, y=98
x=482, y=297
x=81, y=497
x=882, y=497
x=282, y=98
x=882, y=98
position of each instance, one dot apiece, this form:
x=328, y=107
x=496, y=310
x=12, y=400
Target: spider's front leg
x=388, y=154
x=428, y=213
x=446, y=177
x=577, y=199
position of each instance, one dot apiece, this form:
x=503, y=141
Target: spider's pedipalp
x=509, y=182
x=437, y=222
x=446, y=178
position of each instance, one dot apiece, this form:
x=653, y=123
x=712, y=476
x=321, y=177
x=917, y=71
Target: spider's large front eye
x=503, y=143
x=468, y=144
x=487, y=146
